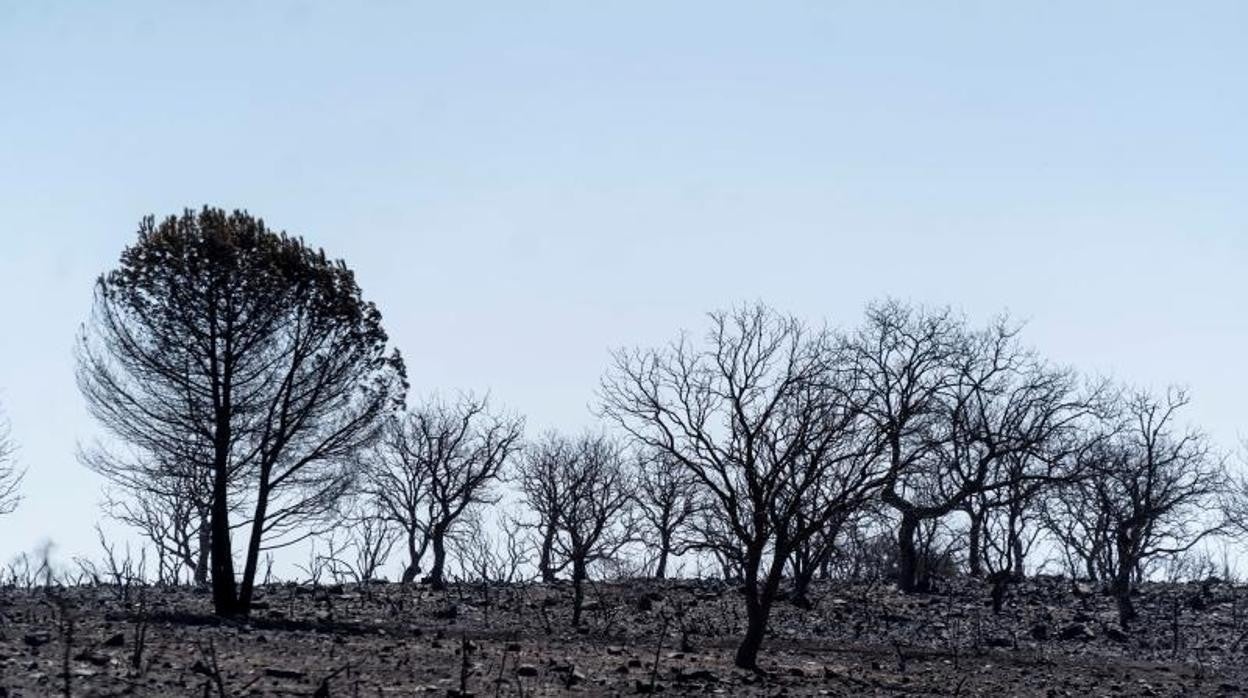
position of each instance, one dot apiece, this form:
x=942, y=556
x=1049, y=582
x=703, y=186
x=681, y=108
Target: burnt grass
x=1051, y=638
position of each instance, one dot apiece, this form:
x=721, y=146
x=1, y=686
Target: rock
x=200, y=668
x=1115, y=634
x=1077, y=631
x=289, y=674
x=92, y=658
x=698, y=675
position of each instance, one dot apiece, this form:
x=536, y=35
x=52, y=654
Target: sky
x=522, y=187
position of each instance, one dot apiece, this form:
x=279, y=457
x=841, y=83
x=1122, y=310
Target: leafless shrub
x=369, y=540
x=1152, y=492
x=10, y=476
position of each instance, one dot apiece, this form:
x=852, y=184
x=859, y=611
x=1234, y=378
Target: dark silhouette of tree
x=173, y=521
x=955, y=409
x=235, y=351
x=439, y=460
x=814, y=555
x=668, y=501
x=1153, y=490
x=766, y=422
x=906, y=358
x=1005, y=523
x=399, y=490
x=539, y=475
x=371, y=537
x=492, y=552
x=167, y=498
x=596, y=520
x=10, y=476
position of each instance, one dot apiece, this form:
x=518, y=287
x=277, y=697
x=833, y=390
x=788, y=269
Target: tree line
x=252, y=401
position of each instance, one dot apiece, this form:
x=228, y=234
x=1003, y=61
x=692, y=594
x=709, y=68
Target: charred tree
x=245, y=357
x=763, y=418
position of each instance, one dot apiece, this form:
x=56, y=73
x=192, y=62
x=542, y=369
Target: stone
x=1077, y=631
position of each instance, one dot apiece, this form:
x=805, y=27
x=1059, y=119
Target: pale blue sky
x=522, y=186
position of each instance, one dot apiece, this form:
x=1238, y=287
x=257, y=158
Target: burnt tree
x=441, y=459
x=766, y=422
x=668, y=501
x=596, y=520
x=217, y=332
x=539, y=475
x=1154, y=490
x=954, y=408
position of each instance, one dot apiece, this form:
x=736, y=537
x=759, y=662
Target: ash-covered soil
x=390, y=640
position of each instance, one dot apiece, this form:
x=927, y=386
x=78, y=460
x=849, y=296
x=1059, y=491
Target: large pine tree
x=246, y=357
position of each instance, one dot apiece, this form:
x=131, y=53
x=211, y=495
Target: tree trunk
x=755, y=631
x=907, y=554
x=545, y=563
x=758, y=600
x=203, y=553
x=974, y=544
x=437, y=571
x=578, y=591
x=224, y=589
x=1017, y=546
x=801, y=586
x=253, y=544
x=1120, y=589
x=413, y=559
x=660, y=570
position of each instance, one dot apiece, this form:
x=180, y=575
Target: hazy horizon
x=521, y=190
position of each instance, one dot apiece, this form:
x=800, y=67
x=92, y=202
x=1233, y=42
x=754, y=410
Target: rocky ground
x=674, y=638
